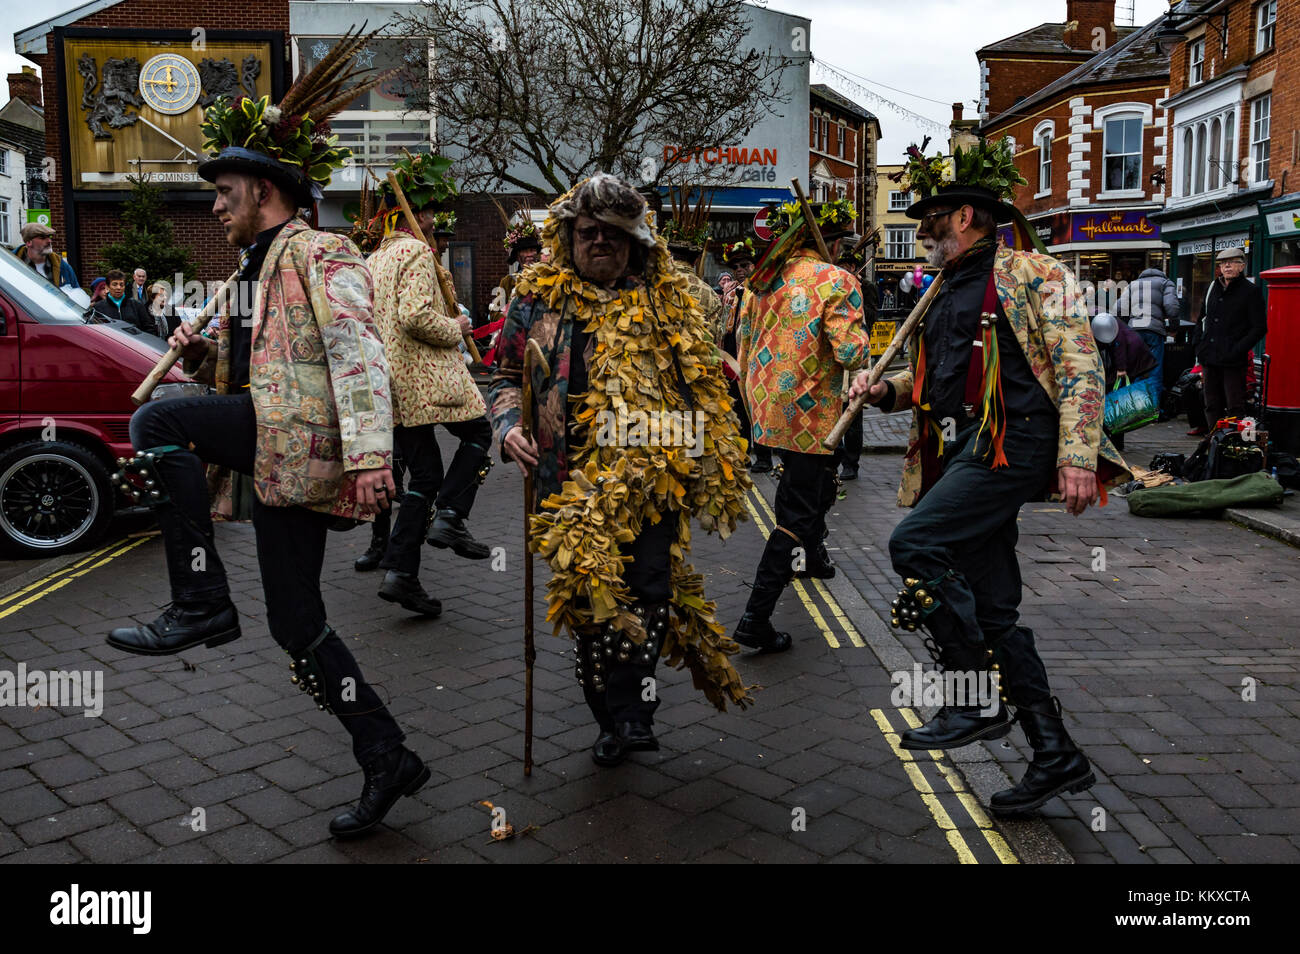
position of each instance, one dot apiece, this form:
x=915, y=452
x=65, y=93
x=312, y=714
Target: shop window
x=1265, y=23
x=1260, y=137
x=1196, y=62
x=1122, y=154
x=900, y=242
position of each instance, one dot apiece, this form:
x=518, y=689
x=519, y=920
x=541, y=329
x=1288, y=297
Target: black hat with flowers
x=983, y=175
x=739, y=253
x=289, y=143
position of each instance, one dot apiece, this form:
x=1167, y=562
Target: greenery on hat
x=741, y=249
x=425, y=179
x=985, y=165
x=444, y=221
x=836, y=213
x=518, y=233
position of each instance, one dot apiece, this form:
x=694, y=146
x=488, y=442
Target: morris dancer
x=624, y=340
x=302, y=406
x=1006, y=393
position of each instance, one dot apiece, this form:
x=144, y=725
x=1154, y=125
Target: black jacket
x=1235, y=318
x=131, y=311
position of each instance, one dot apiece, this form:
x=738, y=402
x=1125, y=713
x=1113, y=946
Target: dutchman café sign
x=1113, y=227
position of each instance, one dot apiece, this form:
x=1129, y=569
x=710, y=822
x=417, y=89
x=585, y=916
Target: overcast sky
x=924, y=47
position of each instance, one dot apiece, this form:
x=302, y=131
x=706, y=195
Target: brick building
x=1019, y=66
x=1092, y=144
x=842, y=139
x=1235, y=130
x=22, y=123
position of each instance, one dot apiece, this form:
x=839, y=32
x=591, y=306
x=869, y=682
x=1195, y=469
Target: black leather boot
x=637, y=737
x=388, y=777
x=955, y=726
x=181, y=626
x=449, y=530
x=406, y=591
x=608, y=750
x=761, y=635
x=1058, y=765
x=817, y=565
x=378, y=544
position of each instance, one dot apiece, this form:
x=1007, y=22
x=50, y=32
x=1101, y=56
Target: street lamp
x=1170, y=35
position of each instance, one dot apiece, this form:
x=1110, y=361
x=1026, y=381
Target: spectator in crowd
x=1234, y=319
x=1152, y=308
x=37, y=251
x=1123, y=354
x=98, y=288
x=117, y=305
x=157, y=297
x=138, y=290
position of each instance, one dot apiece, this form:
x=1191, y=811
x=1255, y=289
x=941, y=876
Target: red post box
x=1282, y=345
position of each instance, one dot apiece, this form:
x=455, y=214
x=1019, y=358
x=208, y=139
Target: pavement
x=1170, y=644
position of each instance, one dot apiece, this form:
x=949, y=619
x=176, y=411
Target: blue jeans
x=1155, y=342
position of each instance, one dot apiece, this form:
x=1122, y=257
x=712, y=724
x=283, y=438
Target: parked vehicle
x=65, y=410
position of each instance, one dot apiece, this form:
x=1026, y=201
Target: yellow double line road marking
x=932, y=798
x=961, y=801
x=43, y=587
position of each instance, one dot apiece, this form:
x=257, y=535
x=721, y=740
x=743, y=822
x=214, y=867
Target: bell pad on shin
x=914, y=603
x=308, y=674
x=138, y=476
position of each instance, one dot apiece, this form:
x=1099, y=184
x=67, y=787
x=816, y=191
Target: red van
x=65, y=409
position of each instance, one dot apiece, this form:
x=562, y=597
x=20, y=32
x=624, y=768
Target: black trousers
x=851, y=447
x=222, y=429
x=960, y=540
x=647, y=578
x=742, y=413
x=803, y=496
x=1225, y=392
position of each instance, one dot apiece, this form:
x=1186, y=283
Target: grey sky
x=926, y=47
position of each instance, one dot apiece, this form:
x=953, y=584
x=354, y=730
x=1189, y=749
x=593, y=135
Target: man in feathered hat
x=422, y=332
x=302, y=405
x=800, y=329
x=634, y=436
x=1006, y=391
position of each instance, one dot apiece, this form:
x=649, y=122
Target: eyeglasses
x=929, y=218
x=611, y=233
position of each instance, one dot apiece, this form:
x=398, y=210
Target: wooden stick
x=533, y=358
x=812, y=221
x=414, y=226
x=699, y=262
x=141, y=394
x=832, y=440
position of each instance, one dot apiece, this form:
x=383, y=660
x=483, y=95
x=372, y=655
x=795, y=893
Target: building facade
x=22, y=123
x=1093, y=146
x=842, y=140
x=1234, y=121
x=899, y=251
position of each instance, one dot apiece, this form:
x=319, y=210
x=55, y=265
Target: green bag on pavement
x=1248, y=490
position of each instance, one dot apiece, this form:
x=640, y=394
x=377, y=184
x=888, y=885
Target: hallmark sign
x=1113, y=227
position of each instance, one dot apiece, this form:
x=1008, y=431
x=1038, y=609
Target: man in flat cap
x=1234, y=320
x=37, y=252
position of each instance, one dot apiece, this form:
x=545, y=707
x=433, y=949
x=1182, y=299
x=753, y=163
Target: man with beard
x=1006, y=392
x=798, y=334
x=624, y=342
x=302, y=406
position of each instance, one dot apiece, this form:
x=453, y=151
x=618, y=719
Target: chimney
x=957, y=110
x=26, y=86
x=1083, y=18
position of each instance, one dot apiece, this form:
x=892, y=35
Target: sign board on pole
x=760, y=225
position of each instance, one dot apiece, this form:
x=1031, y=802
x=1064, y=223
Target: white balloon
x=905, y=283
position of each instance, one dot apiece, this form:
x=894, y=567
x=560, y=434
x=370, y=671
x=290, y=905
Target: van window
x=39, y=298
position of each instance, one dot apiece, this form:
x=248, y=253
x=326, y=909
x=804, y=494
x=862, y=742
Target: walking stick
x=832, y=440
x=141, y=394
x=812, y=221
x=414, y=226
x=533, y=358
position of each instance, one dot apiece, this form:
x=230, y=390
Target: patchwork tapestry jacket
x=1049, y=316
x=317, y=376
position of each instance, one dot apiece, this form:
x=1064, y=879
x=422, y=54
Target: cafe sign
x=1113, y=227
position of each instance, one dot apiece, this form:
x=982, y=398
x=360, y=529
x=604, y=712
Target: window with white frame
x=4, y=161
x=1188, y=151
x=4, y=222
x=1265, y=24
x=1206, y=154
x=1122, y=153
x=1260, y=137
x=899, y=201
x=1195, y=61
x=841, y=128
x=900, y=241
x=1043, y=140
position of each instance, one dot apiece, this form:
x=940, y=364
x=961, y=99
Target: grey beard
x=943, y=252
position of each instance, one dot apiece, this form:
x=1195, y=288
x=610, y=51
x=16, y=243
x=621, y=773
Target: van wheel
x=54, y=498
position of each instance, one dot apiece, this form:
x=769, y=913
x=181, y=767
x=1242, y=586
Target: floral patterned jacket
x=317, y=376
x=430, y=382
x=1048, y=314
x=795, y=343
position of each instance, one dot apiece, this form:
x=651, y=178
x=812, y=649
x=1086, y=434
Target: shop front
x=1106, y=245
x=1281, y=230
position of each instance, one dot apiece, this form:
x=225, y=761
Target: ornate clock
x=169, y=83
